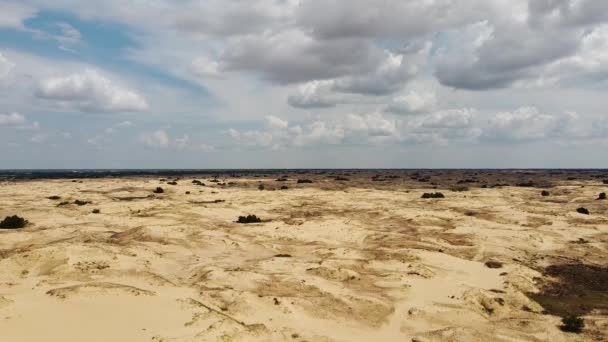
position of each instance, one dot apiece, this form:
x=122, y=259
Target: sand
x=347, y=262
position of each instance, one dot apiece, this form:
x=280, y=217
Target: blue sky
x=303, y=83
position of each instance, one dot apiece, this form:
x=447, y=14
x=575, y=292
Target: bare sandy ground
x=329, y=263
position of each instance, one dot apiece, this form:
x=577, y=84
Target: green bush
x=13, y=222
x=433, y=195
x=249, y=219
x=573, y=324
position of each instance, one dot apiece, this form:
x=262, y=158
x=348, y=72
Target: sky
x=303, y=84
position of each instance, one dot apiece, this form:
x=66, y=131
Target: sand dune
x=331, y=261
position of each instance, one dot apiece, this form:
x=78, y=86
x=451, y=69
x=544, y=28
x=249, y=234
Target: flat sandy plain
x=364, y=258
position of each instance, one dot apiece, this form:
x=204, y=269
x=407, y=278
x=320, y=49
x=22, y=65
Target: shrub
x=13, y=222
x=281, y=180
x=159, y=190
x=493, y=264
x=261, y=187
x=573, y=324
x=304, y=181
x=583, y=211
x=341, y=179
x=602, y=196
x=187, y=192
x=605, y=181
x=459, y=188
x=81, y=203
x=433, y=195
x=545, y=193
x=172, y=183
x=284, y=187
x=54, y=198
x=249, y=219
x=197, y=182
x=96, y=211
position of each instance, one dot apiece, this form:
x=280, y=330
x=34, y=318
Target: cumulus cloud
x=155, y=139
x=529, y=123
x=205, y=68
x=521, y=47
x=452, y=118
x=92, y=92
x=413, y=103
x=274, y=122
x=12, y=119
x=313, y=94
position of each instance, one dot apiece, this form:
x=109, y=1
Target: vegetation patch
x=433, y=195
x=583, y=211
x=573, y=289
x=304, y=181
x=493, y=264
x=545, y=193
x=54, y=198
x=573, y=324
x=159, y=190
x=601, y=196
x=249, y=219
x=81, y=203
x=13, y=222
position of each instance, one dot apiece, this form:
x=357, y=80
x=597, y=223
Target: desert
x=305, y=256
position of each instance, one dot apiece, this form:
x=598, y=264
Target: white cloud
x=452, y=118
x=528, y=123
x=91, y=91
x=155, y=139
x=12, y=14
x=205, y=68
x=276, y=123
x=124, y=124
x=6, y=67
x=413, y=103
x=12, y=119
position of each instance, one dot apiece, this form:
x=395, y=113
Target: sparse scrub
x=172, y=183
x=459, y=188
x=433, y=195
x=573, y=324
x=54, y=198
x=583, y=211
x=545, y=193
x=13, y=222
x=249, y=219
x=159, y=190
x=602, y=196
x=493, y=264
x=96, y=211
x=81, y=203
x=304, y=181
